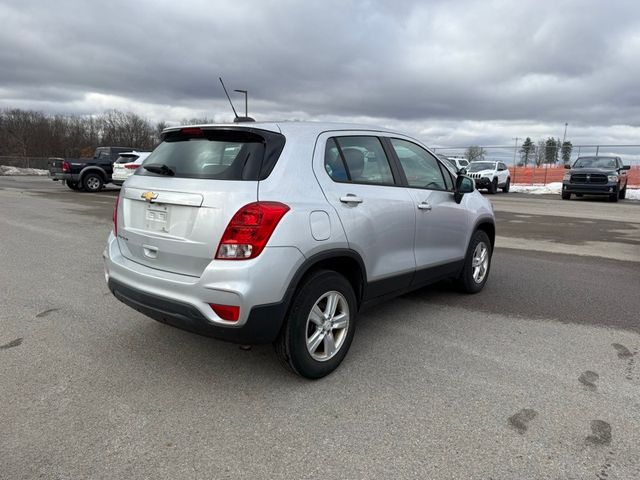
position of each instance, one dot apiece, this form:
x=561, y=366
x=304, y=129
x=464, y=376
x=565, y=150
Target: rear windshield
x=126, y=159
x=220, y=154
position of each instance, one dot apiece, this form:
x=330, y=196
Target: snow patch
x=549, y=188
x=555, y=188
x=12, y=171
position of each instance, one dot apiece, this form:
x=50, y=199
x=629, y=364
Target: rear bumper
x=259, y=287
x=262, y=325
x=590, y=189
x=61, y=176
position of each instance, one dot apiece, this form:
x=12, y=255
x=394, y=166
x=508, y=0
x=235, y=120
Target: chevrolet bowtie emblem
x=149, y=196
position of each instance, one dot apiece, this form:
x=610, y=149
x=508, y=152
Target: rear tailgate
x=55, y=166
x=177, y=225
x=174, y=210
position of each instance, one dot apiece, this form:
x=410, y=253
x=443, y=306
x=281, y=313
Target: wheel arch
x=343, y=261
x=488, y=226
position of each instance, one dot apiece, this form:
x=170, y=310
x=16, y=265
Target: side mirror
x=567, y=166
x=463, y=185
x=462, y=171
x=626, y=167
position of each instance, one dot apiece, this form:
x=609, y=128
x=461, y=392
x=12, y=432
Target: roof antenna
x=237, y=118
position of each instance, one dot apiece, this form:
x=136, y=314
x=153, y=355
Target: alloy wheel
x=327, y=326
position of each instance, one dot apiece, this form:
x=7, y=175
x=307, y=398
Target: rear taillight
x=230, y=313
x=131, y=166
x=115, y=216
x=66, y=167
x=249, y=230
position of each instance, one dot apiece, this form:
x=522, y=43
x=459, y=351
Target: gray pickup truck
x=88, y=174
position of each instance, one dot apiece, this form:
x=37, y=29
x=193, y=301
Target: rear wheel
x=566, y=196
x=72, y=185
x=505, y=189
x=623, y=193
x=476, y=263
x=320, y=325
x=493, y=187
x=92, y=182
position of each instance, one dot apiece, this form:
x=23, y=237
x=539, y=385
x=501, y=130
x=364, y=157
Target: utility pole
x=515, y=151
x=564, y=137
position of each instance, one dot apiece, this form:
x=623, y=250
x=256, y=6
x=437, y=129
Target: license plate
x=157, y=218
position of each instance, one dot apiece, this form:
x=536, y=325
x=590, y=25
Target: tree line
x=549, y=151
x=29, y=133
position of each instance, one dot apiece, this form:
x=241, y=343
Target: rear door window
x=215, y=154
x=357, y=159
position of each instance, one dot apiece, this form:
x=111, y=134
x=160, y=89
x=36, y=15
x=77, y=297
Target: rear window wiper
x=159, y=168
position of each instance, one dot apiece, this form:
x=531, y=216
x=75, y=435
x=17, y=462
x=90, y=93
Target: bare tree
x=540, y=152
x=475, y=153
x=31, y=133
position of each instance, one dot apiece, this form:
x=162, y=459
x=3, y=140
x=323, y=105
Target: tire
x=613, y=197
x=493, y=187
x=566, y=196
x=623, y=193
x=579, y=195
x=92, y=182
x=302, y=328
x=505, y=189
x=72, y=185
x=472, y=280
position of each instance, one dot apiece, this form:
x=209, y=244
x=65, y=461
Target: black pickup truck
x=88, y=174
x=596, y=176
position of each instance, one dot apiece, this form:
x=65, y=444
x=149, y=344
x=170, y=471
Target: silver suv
x=265, y=232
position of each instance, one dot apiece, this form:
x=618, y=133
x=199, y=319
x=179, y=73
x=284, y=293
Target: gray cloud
x=455, y=70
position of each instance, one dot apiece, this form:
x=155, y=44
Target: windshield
x=595, y=162
x=478, y=166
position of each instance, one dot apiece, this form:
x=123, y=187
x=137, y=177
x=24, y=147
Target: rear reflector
x=231, y=313
x=249, y=230
x=115, y=215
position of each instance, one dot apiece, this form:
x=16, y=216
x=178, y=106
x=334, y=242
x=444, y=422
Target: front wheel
x=320, y=325
x=623, y=193
x=476, y=263
x=613, y=197
x=493, y=187
x=566, y=196
x=505, y=189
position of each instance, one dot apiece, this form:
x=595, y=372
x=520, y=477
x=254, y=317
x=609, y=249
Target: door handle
x=424, y=206
x=350, y=198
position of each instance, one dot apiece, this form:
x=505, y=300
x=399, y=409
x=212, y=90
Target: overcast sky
x=449, y=72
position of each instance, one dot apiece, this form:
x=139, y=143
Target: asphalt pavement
x=535, y=377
